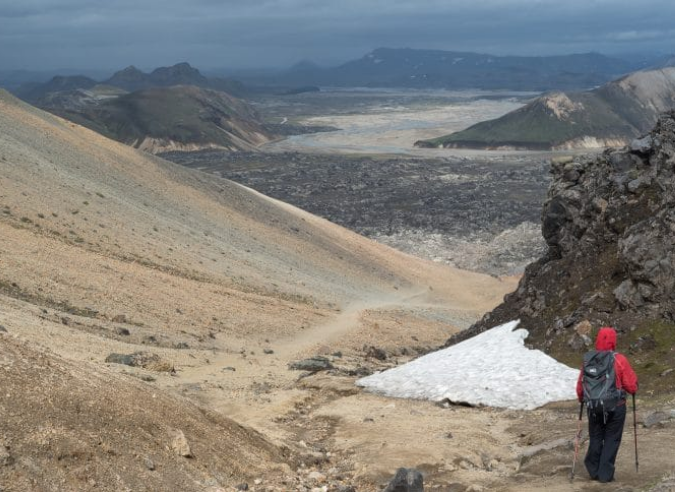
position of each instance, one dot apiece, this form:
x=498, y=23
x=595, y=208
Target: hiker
x=606, y=402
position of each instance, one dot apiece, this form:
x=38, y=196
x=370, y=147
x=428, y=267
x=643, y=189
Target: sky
x=112, y=34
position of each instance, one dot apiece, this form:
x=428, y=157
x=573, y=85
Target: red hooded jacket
x=625, y=376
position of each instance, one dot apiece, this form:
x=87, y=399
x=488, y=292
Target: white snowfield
x=493, y=369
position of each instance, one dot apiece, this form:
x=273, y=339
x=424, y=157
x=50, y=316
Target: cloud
x=219, y=33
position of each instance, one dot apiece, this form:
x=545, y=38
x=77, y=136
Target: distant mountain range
x=131, y=79
x=171, y=108
x=610, y=115
x=387, y=67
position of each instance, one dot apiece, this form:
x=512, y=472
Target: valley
x=381, y=121
x=319, y=246
x=477, y=213
x=186, y=326
x=473, y=210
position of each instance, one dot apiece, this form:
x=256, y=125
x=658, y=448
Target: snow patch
x=493, y=369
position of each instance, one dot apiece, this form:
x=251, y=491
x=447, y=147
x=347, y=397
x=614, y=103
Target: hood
x=606, y=339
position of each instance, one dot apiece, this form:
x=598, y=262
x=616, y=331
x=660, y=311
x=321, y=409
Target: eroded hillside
x=137, y=290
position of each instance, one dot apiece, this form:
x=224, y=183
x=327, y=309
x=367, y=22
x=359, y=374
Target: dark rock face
x=609, y=224
x=406, y=480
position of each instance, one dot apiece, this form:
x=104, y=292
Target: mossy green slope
x=179, y=116
x=611, y=114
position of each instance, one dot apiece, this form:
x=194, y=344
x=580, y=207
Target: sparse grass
x=650, y=364
x=12, y=289
x=535, y=126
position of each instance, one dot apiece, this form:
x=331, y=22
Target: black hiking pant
x=605, y=437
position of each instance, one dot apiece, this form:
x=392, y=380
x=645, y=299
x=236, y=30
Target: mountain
x=33, y=92
x=171, y=118
x=132, y=79
x=609, y=115
x=78, y=99
x=609, y=225
x=172, y=108
x=387, y=67
x=129, y=79
x=183, y=278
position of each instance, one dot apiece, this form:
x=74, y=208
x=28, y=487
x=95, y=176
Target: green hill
x=609, y=115
x=173, y=118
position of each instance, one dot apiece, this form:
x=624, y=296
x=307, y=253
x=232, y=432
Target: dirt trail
x=342, y=325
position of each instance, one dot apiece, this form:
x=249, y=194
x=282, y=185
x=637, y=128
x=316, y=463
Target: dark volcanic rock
x=406, y=480
x=376, y=353
x=313, y=364
x=137, y=359
x=610, y=233
x=477, y=214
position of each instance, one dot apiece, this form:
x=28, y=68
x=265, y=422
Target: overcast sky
x=110, y=34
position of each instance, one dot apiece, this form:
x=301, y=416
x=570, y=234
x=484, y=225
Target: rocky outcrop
x=609, y=226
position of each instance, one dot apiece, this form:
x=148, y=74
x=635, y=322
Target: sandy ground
x=238, y=287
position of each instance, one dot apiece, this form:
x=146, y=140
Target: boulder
x=583, y=328
x=642, y=145
x=313, y=364
x=179, y=444
x=317, y=476
x=149, y=464
x=376, y=353
x=655, y=418
x=627, y=295
x=6, y=459
x=579, y=342
x=145, y=360
x=406, y=480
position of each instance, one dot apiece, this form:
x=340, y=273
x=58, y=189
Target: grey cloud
x=114, y=33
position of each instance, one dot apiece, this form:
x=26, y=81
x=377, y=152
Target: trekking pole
x=635, y=435
x=576, y=440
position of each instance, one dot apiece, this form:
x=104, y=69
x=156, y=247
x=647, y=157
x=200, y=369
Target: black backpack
x=599, y=382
